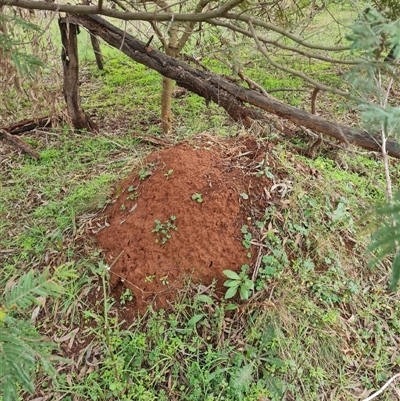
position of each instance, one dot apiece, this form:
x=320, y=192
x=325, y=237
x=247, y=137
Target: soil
x=208, y=237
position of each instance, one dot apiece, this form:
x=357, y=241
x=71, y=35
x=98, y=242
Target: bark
x=29, y=125
x=97, y=52
x=227, y=94
x=69, y=58
x=19, y=144
x=166, y=105
x=122, y=15
x=168, y=86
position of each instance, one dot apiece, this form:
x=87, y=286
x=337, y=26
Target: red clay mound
x=207, y=238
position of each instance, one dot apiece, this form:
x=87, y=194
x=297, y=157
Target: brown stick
x=29, y=125
x=14, y=140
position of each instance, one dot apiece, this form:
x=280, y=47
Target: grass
x=321, y=324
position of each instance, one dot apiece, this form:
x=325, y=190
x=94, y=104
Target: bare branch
x=123, y=15
x=190, y=26
x=266, y=25
x=288, y=70
x=19, y=144
x=275, y=43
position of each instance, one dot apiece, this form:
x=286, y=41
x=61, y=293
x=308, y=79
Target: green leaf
x=259, y=224
x=231, y=292
x=231, y=307
x=195, y=319
x=232, y=283
x=231, y=274
x=204, y=298
x=249, y=284
x=244, y=292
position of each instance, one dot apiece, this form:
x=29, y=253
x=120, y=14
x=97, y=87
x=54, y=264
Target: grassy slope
x=320, y=327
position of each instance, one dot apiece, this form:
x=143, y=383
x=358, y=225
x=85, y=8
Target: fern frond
x=30, y=287
x=21, y=346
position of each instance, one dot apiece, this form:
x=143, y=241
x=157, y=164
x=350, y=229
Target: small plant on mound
x=197, y=197
x=163, y=229
x=238, y=282
x=247, y=236
x=146, y=171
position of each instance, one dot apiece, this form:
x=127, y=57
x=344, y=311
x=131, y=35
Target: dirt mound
x=179, y=215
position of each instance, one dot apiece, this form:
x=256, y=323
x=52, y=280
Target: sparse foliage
x=21, y=344
x=372, y=81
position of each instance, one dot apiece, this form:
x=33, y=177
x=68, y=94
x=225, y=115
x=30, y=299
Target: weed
x=146, y=171
x=262, y=170
x=132, y=196
x=126, y=296
x=238, y=282
x=247, y=236
x=163, y=229
x=197, y=197
x=168, y=173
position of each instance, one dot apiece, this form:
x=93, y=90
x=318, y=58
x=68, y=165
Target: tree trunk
x=168, y=87
x=166, y=104
x=69, y=58
x=226, y=93
x=97, y=51
x=172, y=50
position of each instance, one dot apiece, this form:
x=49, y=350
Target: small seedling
x=123, y=207
x=238, y=282
x=126, y=296
x=168, y=173
x=164, y=280
x=146, y=171
x=247, y=237
x=132, y=196
x=149, y=279
x=263, y=170
x=197, y=197
x=163, y=229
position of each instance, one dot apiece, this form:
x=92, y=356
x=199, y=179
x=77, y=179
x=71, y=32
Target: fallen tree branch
x=185, y=76
x=227, y=94
x=29, y=125
x=14, y=140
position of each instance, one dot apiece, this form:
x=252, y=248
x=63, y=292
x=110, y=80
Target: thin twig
x=288, y=70
x=257, y=265
x=383, y=388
